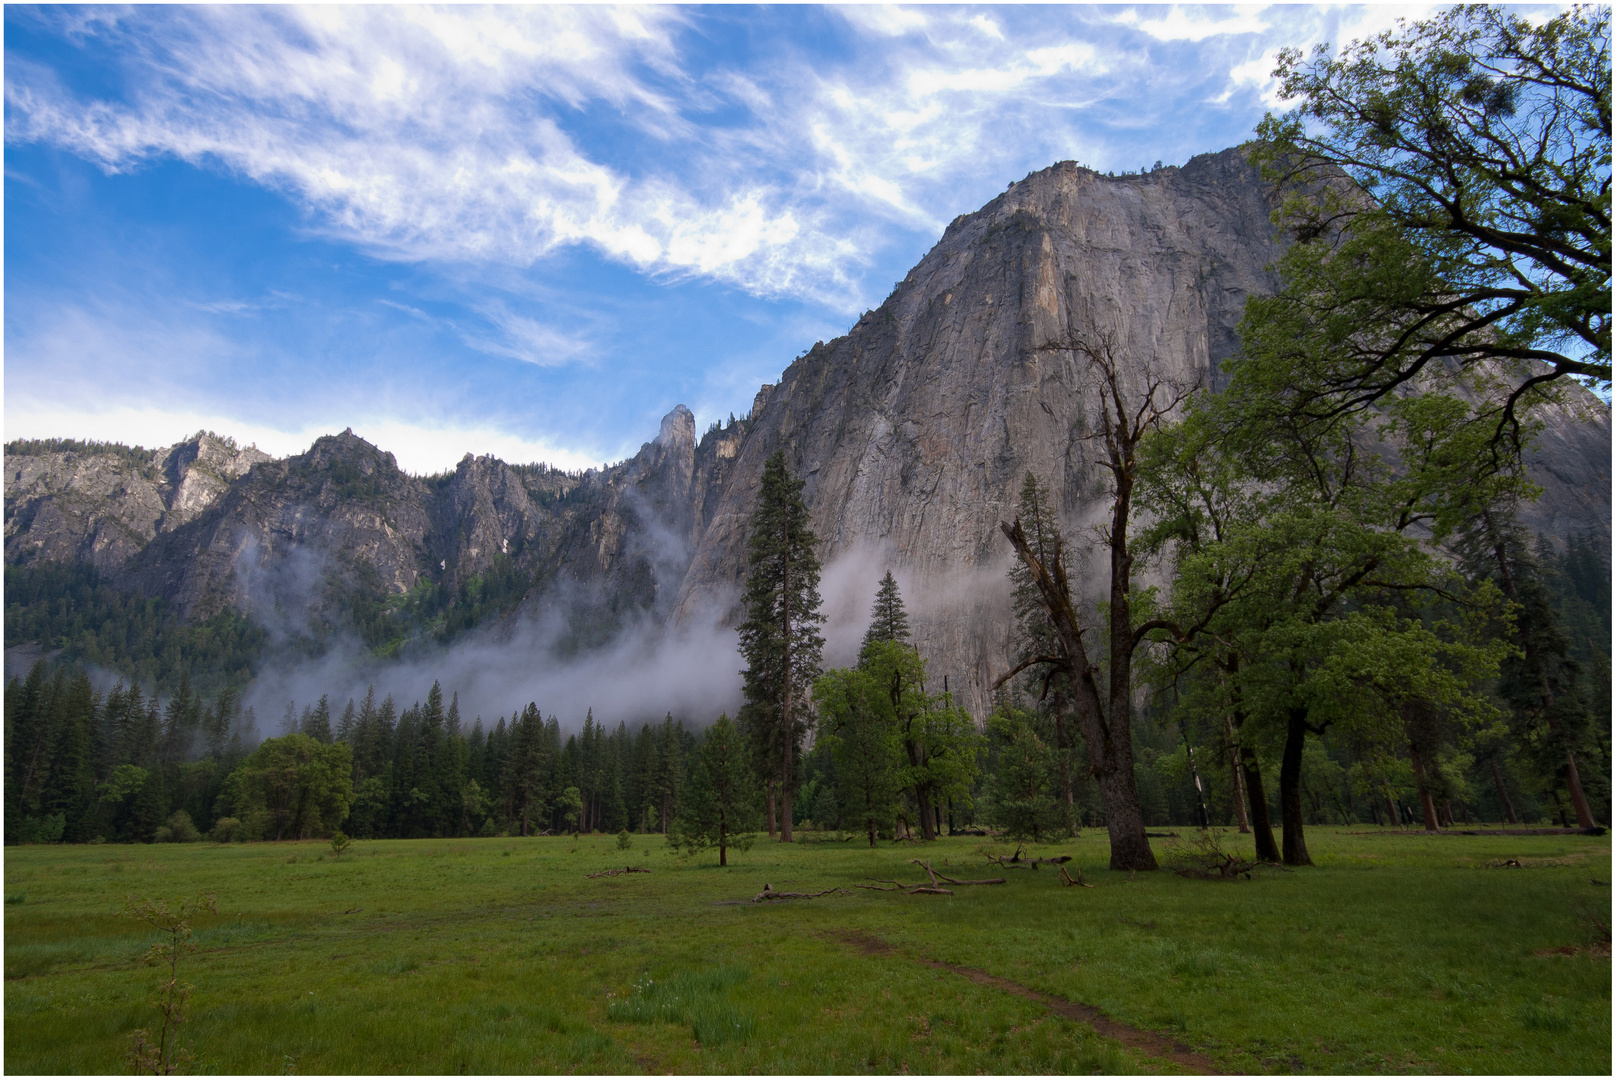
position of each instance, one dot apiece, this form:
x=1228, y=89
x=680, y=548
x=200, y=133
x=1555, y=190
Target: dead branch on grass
x=615, y=871
x=1204, y=857
x=1067, y=879
x=769, y=893
x=887, y=885
x=955, y=881
x=1016, y=862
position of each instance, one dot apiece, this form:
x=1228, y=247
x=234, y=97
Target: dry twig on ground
x=615, y=871
x=769, y=893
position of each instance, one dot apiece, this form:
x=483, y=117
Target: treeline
x=126, y=767
x=874, y=750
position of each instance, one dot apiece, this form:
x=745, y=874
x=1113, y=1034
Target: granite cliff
x=913, y=431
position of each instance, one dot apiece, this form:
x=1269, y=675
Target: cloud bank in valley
x=691, y=670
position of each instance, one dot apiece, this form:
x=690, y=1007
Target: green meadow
x=1398, y=953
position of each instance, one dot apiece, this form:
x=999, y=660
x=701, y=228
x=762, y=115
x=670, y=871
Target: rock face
x=915, y=429
x=90, y=503
x=913, y=432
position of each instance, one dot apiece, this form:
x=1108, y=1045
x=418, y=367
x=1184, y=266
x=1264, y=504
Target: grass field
x=1398, y=953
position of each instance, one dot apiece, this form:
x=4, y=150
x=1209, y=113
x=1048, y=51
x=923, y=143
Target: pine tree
x=888, y=620
x=780, y=637
x=1540, y=683
x=317, y=722
x=720, y=805
x=1037, y=637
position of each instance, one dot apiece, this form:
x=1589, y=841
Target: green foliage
x=888, y=620
x=857, y=727
x=1484, y=142
x=780, y=637
x=181, y=829
x=291, y=788
x=1024, y=790
x=69, y=608
x=719, y=808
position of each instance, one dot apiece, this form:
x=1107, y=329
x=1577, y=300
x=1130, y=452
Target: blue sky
x=532, y=232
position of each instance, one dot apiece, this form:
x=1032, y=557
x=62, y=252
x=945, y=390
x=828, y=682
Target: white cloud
x=888, y=20
x=987, y=26
x=1196, y=23
x=419, y=448
x=506, y=135
x=423, y=134
x=525, y=339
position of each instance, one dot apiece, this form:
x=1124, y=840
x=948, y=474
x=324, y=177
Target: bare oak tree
x=1105, y=713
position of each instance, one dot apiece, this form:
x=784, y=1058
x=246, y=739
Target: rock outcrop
x=94, y=503
x=913, y=432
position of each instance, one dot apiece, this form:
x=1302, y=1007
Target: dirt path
x=1149, y=1043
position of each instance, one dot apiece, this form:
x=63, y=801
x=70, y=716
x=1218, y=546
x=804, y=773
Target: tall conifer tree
x=780, y=637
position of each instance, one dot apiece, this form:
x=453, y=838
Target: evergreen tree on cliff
x=780, y=637
x=888, y=620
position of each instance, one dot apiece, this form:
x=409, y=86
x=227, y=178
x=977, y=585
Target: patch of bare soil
x=1150, y=1043
x=1599, y=950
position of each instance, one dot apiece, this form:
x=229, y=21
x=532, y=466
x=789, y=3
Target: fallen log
x=1016, y=862
x=615, y=871
x=887, y=885
x=770, y=894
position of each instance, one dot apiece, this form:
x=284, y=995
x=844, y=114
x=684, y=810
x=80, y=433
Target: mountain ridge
x=912, y=432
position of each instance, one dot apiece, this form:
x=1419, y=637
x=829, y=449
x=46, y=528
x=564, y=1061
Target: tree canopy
x=1482, y=142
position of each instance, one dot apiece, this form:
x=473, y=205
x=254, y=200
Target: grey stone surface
x=913, y=432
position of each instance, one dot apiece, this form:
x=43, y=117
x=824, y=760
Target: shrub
x=181, y=829
x=163, y=835
x=225, y=830
x=624, y=841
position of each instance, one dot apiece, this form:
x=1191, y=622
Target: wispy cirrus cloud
x=510, y=134
x=547, y=219
x=437, y=134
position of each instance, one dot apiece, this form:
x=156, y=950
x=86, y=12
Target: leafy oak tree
x=1474, y=234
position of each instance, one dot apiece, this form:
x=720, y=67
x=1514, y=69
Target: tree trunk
x=787, y=717
x=1290, y=791
x=1579, y=801
x=923, y=803
x=1237, y=789
x=1427, y=805
x=1262, y=821
x=768, y=789
x=1064, y=743
x=1503, y=794
x=1110, y=745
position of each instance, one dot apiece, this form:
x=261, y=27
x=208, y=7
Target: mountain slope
x=913, y=432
